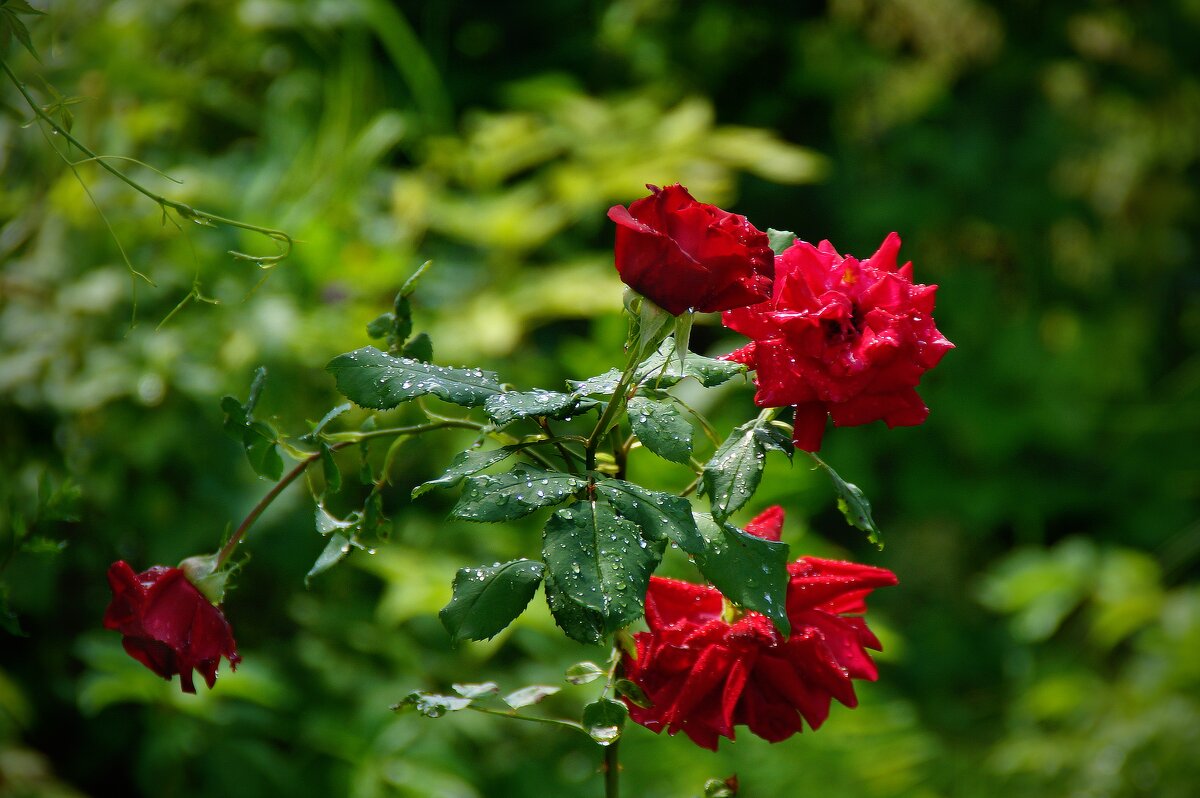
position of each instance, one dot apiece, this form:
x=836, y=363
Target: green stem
x=563, y=452
x=612, y=771
x=695, y=483
x=614, y=406
x=184, y=211
x=551, y=721
x=300, y=467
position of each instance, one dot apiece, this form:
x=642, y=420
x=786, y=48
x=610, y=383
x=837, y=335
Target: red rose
x=705, y=674
x=169, y=626
x=685, y=255
x=841, y=337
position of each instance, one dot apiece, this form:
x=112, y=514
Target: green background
x=1041, y=161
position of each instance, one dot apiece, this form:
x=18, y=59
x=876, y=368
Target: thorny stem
x=185, y=211
x=300, y=467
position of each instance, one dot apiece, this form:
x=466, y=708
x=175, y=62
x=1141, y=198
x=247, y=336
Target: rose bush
x=686, y=255
x=168, y=625
x=841, y=337
x=705, y=673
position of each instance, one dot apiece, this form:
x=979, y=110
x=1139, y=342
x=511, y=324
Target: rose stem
x=612, y=771
x=300, y=467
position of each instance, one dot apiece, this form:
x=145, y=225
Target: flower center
x=843, y=330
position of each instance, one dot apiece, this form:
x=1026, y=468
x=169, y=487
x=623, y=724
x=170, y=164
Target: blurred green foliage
x=1040, y=160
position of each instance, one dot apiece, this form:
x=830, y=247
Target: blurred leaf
x=635, y=694
x=853, y=504
x=584, y=673
x=334, y=552
x=509, y=407
x=9, y=621
x=402, y=323
x=330, y=470
x=432, y=705
x=748, y=570
x=374, y=379
x=528, y=696
x=474, y=691
x=487, y=599
x=661, y=428
x=464, y=464
x=732, y=474
x=324, y=422
x=604, y=720
x=1040, y=589
x=514, y=494
x=12, y=26
x=259, y=439
x=380, y=326
x=58, y=502
x=780, y=239
x=419, y=348
x=721, y=788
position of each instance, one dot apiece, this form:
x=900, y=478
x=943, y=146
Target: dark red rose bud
x=841, y=337
x=704, y=673
x=168, y=625
x=686, y=255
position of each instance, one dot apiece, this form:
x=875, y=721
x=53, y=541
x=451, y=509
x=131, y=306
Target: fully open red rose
x=685, y=255
x=168, y=625
x=841, y=337
x=705, y=674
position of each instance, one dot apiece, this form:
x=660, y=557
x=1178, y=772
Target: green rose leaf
x=631, y=691
x=419, y=348
x=775, y=439
x=259, y=439
x=600, y=385
x=329, y=468
x=661, y=428
x=377, y=380
x=581, y=624
x=749, y=571
x=663, y=368
x=473, y=691
x=432, y=705
x=780, y=239
x=853, y=504
x=324, y=422
x=334, y=552
x=514, y=494
x=600, y=561
x=527, y=696
x=732, y=474
x=658, y=514
x=464, y=464
x=584, y=673
x=509, y=407
x=488, y=599
x=380, y=326
x=604, y=720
